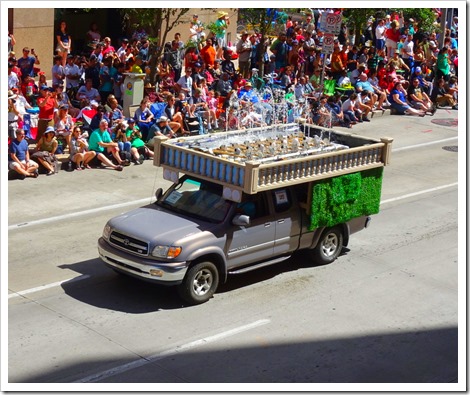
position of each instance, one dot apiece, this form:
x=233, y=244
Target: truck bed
x=260, y=159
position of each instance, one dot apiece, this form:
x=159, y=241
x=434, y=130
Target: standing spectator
x=72, y=74
x=208, y=54
x=93, y=35
x=280, y=50
x=174, y=60
x=64, y=42
x=443, y=64
x=122, y=50
x=243, y=51
x=26, y=63
x=19, y=160
x=11, y=42
x=222, y=24
x=58, y=71
x=380, y=35
x=407, y=52
x=144, y=51
x=13, y=80
x=92, y=71
x=47, y=103
x=107, y=76
x=108, y=49
x=392, y=37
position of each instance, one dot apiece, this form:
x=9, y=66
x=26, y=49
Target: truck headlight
x=167, y=252
x=106, y=232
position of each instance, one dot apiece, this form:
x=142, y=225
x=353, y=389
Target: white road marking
x=43, y=287
x=419, y=193
x=424, y=144
x=79, y=213
x=143, y=361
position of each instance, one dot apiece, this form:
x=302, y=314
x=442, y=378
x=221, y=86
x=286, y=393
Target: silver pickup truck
x=193, y=237
x=229, y=213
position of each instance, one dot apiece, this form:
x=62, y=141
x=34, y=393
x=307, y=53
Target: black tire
x=329, y=246
x=200, y=283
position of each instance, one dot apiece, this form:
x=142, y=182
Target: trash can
x=133, y=91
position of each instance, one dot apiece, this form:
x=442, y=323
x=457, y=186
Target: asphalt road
x=385, y=312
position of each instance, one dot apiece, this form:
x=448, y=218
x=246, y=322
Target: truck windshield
x=197, y=199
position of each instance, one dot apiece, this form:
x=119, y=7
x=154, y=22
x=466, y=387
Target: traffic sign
x=328, y=43
x=331, y=23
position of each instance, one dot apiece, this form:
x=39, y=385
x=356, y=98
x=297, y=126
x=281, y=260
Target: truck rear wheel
x=329, y=246
x=200, y=283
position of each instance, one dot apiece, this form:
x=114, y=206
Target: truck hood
x=155, y=225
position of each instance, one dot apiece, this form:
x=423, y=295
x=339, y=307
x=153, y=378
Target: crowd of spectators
x=206, y=85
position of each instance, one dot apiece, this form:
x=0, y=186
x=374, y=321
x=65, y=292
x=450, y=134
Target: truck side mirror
x=159, y=193
x=241, y=220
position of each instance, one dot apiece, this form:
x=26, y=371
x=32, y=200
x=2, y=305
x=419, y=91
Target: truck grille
x=128, y=243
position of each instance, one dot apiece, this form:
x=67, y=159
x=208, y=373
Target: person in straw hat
x=222, y=24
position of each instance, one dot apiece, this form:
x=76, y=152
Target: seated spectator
x=185, y=84
x=175, y=115
x=399, y=103
x=162, y=128
x=351, y=109
x=337, y=114
x=118, y=134
x=45, y=151
x=115, y=114
x=98, y=117
x=138, y=149
x=79, y=151
x=201, y=110
x=63, y=99
x=144, y=117
x=442, y=97
x=247, y=96
x=227, y=65
x=88, y=92
x=63, y=123
x=376, y=93
x=106, y=149
x=224, y=85
x=425, y=85
x=419, y=99
x=18, y=159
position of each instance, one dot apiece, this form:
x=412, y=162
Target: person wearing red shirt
x=47, y=103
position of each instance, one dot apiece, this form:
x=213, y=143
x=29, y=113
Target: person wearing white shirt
x=13, y=80
x=380, y=35
x=72, y=73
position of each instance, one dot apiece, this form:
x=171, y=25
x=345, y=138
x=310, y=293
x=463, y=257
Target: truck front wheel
x=200, y=283
x=329, y=246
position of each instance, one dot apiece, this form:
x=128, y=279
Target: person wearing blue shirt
x=364, y=85
x=26, y=63
x=247, y=95
x=19, y=157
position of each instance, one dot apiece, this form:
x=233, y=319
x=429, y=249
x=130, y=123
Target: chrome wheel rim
x=202, y=282
x=330, y=245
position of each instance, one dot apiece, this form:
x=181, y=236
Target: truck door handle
x=267, y=224
x=280, y=221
